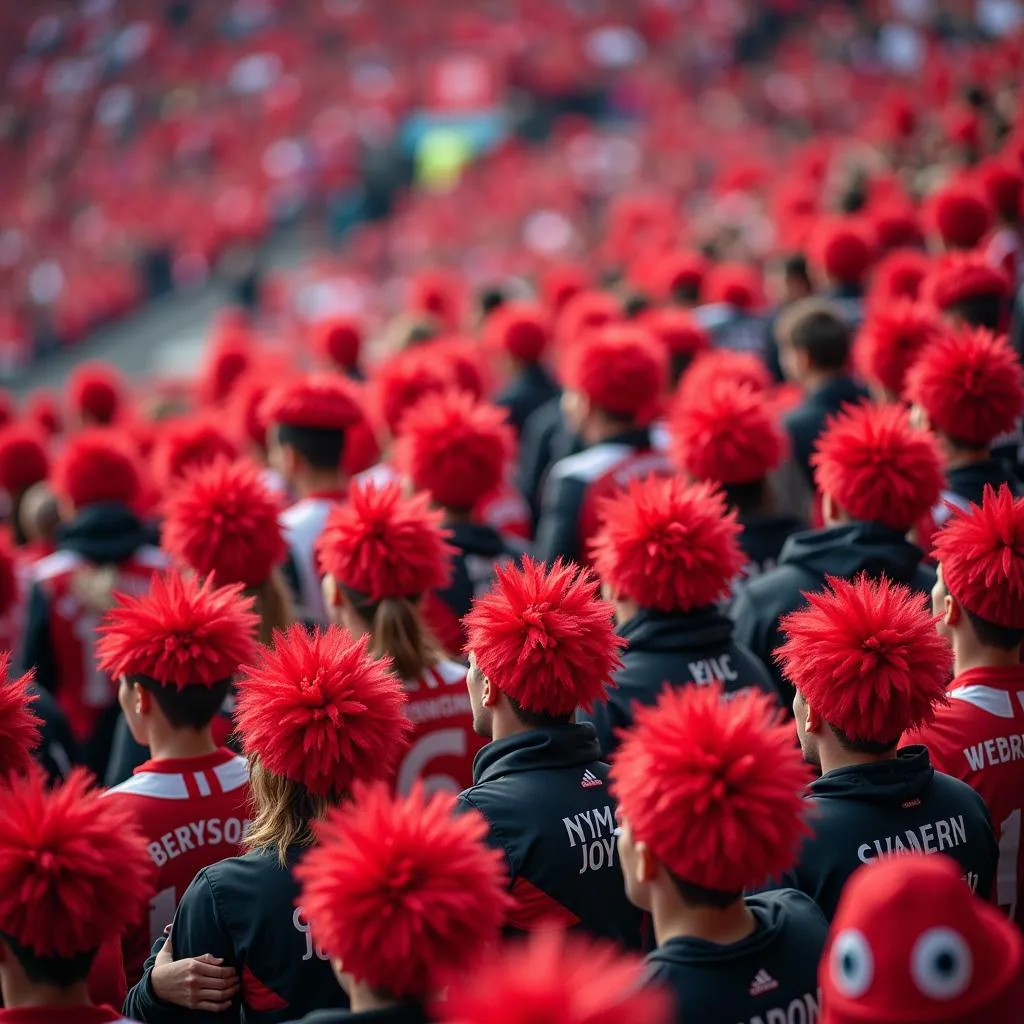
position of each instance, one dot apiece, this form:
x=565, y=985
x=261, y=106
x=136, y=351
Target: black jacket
x=531, y=388
x=545, y=439
x=756, y=979
x=406, y=1013
x=763, y=538
x=967, y=483
x=673, y=649
x=807, y=420
x=546, y=797
x=57, y=751
x=243, y=909
x=806, y=559
x=889, y=807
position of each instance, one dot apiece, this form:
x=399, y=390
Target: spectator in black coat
x=667, y=554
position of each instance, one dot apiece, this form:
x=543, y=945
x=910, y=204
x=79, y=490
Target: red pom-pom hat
x=403, y=380
x=186, y=445
x=23, y=458
x=961, y=214
x=890, y=340
x=844, y=250
x=962, y=276
x=97, y=466
x=520, y=329
x=19, y=725
x=319, y=401
x=338, y=341
x=96, y=393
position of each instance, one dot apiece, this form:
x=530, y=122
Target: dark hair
x=321, y=448
x=795, y=265
x=817, y=328
x=191, y=707
x=537, y=719
x=979, y=311
x=871, y=747
x=491, y=298
x=748, y=498
x=700, y=896
x=398, y=632
x=678, y=364
x=635, y=304
x=990, y=634
x=58, y=971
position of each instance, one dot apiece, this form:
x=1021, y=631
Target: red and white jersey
x=193, y=812
x=507, y=511
x=303, y=523
x=979, y=738
x=78, y=594
x=443, y=742
x=62, y=1015
x=1005, y=251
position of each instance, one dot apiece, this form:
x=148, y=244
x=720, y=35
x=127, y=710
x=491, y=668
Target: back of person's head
x=815, y=329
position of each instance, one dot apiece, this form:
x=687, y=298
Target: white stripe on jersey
x=202, y=783
x=987, y=698
x=162, y=785
x=232, y=774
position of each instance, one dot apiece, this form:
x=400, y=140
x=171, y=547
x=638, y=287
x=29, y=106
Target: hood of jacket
x=699, y=630
x=893, y=782
x=853, y=548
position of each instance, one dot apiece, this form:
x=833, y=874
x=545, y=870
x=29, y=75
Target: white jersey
x=303, y=523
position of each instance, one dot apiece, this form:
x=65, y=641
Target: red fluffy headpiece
x=667, y=544
x=321, y=710
x=403, y=380
x=10, y=587
x=877, y=467
x=248, y=424
x=843, y=249
x=225, y=366
x=543, y=636
x=520, y=329
x=559, y=284
x=19, y=725
x=961, y=276
x=97, y=465
x=187, y=445
x=583, y=313
x=708, y=368
x=896, y=225
x=890, y=340
x=338, y=342
x=455, y=447
x=462, y=362
x=678, y=330
x=691, y=781
x=981, y=551
x=404, y=892
x=679, y=270
x=556, y=977
x=181, y=633
x=23, y=458
x=970, y=385
x=74, y=870
x=221, y=520
x=382, y=544
x=734, y=284
x=1004, y=187
x=621, y=369
x=438, y=294
x=319, y=401
x=42, y=410
x=962, y=215
x=866, y=656
x=726, y=433
x=95, y=393
x=899, y=275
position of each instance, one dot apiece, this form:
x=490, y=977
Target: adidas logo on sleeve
x=763, y=982
x=590, y=780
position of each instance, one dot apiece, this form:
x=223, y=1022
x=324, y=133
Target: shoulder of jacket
x=588, y=464
x=55, y=565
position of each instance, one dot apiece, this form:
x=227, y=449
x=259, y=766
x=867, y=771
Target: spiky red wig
x=402, y=380
x=621, y=369
x=1003, y=184
x=95, y=393
x=543, y=636
x=961, y=214
x=866, y=656
x=678, y=330
x=735, y=284
x=970, y=385
x=520, y=329
x=962, y=276
x=318, y=401
x=843, y=250
x=667, y=544
x=98, y=465
x=691, y=782
x=321, y=710
x=455, y=447
x=727, y=433
x=181, y=633
x=899, y=275
x=583, y=313
x=23, y=458
x=402, y=891
x=896, y=225
x=337, y=341
x=186, y=445
x=462, y=363
x=74, y=870
x=556, y=977
x=19, y=725
x=877, y=467
x=981, y=550
x=890, y=340
x=381, y=543
x=438, y=294
x=221, y=520
x=679, y=271
x=719, y=364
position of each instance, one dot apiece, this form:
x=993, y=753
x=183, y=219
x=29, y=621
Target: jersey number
x=96, y=692
x=443, y=743
x=1006, y=873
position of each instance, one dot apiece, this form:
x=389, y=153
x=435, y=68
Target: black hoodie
x=549, y=809
x=531, y=388
x=673, y=649
x=806, y=559
x=405, y=1013
x=756, y=979
x=867, y=811
x=967, y=484
x=545, y=439
x=763, y=539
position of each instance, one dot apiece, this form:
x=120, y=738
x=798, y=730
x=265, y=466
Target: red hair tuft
x=321, y=710
x=19, y=724
x=896, y=225
x=187, y=445
x=403, y=380
x=557, y=977
x=180, y=633
x=96, y=393
x=456, y=448
x=726, y=433
x=866, y=656
x=98, y=465
x=981, y=550
x=681, y=271
x=961, y=214
x=404, y=892
x=970, y=385
x=889, y=341
x=520, y=329
x=543, y=636
x=221, y=520
x=23, y=458
x=843, y=250
x=382, y=544
x=667, y=544
x=708, y=368
x=318, y=401
x=74, y=870
x=691, y=783
x=961, y=276
x=877, y=467
x=899, y=275
x=337, y=342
